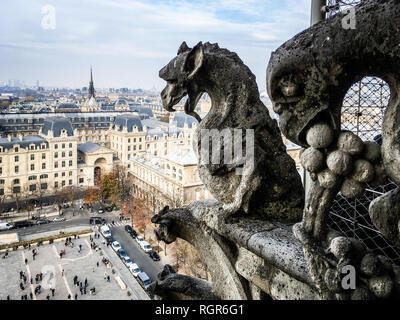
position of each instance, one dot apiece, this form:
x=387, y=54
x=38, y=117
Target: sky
x=128, y=41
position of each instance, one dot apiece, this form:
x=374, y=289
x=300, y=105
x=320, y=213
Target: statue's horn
x=183, y=48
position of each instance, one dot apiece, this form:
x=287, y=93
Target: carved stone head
x=180, y=74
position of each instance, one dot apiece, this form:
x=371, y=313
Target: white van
x=145, y=246
x=5, y=226
x=105, y=231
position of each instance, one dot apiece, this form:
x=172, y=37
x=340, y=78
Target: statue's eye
x=289, y=88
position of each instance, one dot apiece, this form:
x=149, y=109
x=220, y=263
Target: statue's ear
x=183, y=48
x=194, y=60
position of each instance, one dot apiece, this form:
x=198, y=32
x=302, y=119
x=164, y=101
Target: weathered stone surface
x=312, y=160
x=363, y=171
x=328, y=179
x=372, y=152
x=267, y=180
x=340, y=247
x=320, y=135
x=352, y=189
x=371, y=265
x=381, y=287
x=385, y=215
x=339, y=162
x=350, y=143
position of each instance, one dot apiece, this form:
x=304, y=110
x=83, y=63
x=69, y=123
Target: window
x=56, y=164
x=1, y=192
x=30, y=178
x=56, y=155
x=63, y=154
x=1, y=170
x=70, y=173
x=16, y=149
x=63, y=183
x=70, y=182
x=16, y=189
x=140, y=147
x=56, y=146
x=63, y=145
x=129, y=148
x=44, y=176
x=70, y=153
x=56, y=184
x=32, y=167
x=70, y=163
x=43, y=166
x=32, y=157
x=43, y=186
x=32, y=187
x=16, y=169
x=2, y=181
x=81, y=180
x=56, y=175
x=63, y=174
x=16, y=158
x=70, y=145
x=1, y=160
x=63, y=164
x=43, y=156
x=16, y=181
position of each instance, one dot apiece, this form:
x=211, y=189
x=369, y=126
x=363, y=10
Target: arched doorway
x=97, y=175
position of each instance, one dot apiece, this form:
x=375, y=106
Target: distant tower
x=91, y=87
x=90, y=105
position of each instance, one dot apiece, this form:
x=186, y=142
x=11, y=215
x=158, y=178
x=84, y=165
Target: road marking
x=29, y=276
x=65, y=280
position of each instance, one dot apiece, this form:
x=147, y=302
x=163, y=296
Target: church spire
x=91, y=87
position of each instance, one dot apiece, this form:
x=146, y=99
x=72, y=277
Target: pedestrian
x=20, y=275
x=26, y=261
x=97, y=264
x=21, y=286
x=62, y=272
x=33, y=257
x=31, y=295
x=48, y=297
x=40, y=276
x=86, y=283
x=24, y=279
x=92, y=269
x=8, y=297
x=53, y=291
x=76, y=296
x=80, y=247
x=84, y=290
x=105, y=275
x=75, y=279
x=26, y=297
x=69, y=297
x=108, y=278
x=81, y=290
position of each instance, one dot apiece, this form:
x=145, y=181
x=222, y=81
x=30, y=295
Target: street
x=79, y=218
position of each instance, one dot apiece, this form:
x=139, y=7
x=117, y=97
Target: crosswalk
x=117, y=224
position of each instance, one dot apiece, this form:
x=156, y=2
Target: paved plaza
x=58, y=273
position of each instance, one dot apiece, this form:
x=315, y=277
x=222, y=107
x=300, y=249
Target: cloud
x=129, y=40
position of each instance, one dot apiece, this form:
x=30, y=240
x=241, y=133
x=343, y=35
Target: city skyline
x=127, y=42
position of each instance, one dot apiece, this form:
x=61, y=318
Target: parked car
x=128, y=262
x=58, y=219
x=108, y=209
x=144, y=280
x=97, y=220
x=110, y=239
x=105, y=231
x=139, y=239
x=116, y=246
x=145, y=246
x=122, y=254
x=101, y=210
x=153, y=255
x=128, y=229
x=134, y=268
x=133, y=234
x=43, y=221
x=5, y=226
x=22, y=224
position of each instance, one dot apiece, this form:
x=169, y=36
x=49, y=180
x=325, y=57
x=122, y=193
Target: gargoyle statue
x=264, y=182
x=308, y=78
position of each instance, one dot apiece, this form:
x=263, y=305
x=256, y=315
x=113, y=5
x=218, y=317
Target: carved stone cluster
x=374, y=274
x=346, y=162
